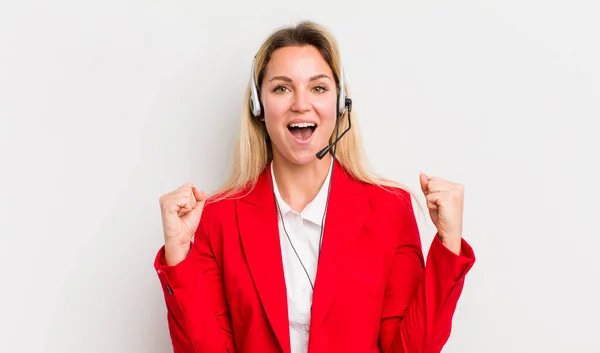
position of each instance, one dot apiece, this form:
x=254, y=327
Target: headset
x=342, y=103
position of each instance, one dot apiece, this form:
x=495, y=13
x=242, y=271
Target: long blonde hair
x=253, y=150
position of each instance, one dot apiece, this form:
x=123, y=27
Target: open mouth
x=302, y=131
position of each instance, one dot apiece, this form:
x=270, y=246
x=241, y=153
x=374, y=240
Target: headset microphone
x=324, y=151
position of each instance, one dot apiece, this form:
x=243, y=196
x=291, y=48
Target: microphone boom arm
x=324, y=151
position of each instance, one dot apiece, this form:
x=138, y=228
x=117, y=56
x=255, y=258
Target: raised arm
x=421, y=296
x=192, y=281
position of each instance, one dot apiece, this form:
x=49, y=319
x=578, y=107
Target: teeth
x=301, y=125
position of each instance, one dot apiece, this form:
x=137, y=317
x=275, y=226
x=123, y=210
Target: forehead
x=297, y=62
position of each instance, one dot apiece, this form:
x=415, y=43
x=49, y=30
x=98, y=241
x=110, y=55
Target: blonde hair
x=253, y=150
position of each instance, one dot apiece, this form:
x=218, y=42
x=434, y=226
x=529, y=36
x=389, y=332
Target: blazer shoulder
x=220, y=207
x=217, y=207
x=216, y=213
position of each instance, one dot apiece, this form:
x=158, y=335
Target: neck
x=300, y=184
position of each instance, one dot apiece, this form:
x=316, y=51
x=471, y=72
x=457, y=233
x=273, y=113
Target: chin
x=301, y=157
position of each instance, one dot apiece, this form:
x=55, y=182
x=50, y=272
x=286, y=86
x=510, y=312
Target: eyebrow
x=287, y=79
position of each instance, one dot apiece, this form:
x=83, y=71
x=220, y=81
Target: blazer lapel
x=259, y=233
x=343, y=224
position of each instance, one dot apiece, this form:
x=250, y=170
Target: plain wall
x=106, y=105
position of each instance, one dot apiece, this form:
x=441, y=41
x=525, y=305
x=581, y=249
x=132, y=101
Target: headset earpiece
x=342, y=94
x=254, y=98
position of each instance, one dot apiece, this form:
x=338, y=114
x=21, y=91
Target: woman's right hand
x=181, y=210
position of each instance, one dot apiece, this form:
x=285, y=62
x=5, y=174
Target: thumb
x=424, y=180
x=200, y=198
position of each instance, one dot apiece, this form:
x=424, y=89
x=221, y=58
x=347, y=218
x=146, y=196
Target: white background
x=105, y=105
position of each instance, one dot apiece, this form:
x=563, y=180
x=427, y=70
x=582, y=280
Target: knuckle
x=164, y=199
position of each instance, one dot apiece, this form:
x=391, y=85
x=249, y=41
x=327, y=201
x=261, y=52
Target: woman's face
x=299, y=96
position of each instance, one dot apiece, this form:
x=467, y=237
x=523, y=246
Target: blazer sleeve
x=197, y=311
x=421, y=298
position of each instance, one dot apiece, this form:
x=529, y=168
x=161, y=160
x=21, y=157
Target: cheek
x=327, y=115
x=275, y=108
x=275, y=113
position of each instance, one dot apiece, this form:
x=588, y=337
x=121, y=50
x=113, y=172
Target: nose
x=301, y=102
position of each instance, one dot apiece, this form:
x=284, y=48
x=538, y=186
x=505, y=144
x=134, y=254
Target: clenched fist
x=445, y=203
x=181, y=210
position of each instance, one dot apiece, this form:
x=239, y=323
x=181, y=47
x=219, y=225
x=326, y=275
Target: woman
x=249, y=280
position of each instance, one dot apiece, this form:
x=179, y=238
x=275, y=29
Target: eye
x=320, y=89
x=280, y=89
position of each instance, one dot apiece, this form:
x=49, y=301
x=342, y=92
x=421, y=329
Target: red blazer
x=373, y=291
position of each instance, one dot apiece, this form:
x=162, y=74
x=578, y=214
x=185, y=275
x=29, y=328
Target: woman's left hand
x=445, y=204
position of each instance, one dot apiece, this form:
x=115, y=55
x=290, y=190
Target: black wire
x=294, y=248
